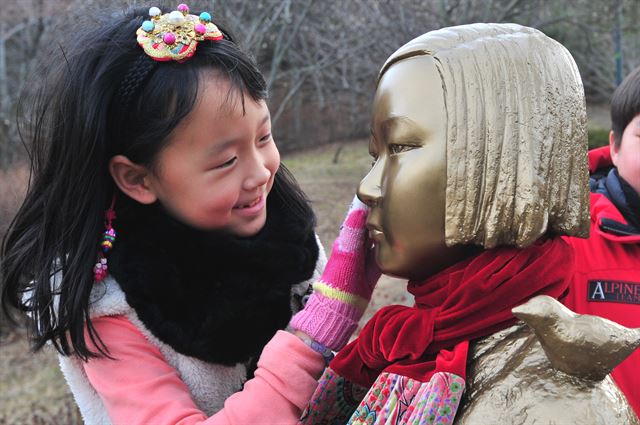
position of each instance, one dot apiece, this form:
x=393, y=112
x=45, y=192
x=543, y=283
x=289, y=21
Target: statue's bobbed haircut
x=516, y=133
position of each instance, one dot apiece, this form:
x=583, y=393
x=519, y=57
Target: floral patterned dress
x=392, y=399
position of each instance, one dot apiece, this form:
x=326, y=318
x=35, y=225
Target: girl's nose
x=370, y=188
x=258, y=174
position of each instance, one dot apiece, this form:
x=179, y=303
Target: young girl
x=161, y=245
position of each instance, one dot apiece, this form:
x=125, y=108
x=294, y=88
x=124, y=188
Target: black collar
x=209, y=295
x=623, y=196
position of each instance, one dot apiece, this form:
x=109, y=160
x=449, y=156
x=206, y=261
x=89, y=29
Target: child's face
x=219, y=165
x=627, y=156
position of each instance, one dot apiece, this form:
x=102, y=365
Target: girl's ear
x=132, y=179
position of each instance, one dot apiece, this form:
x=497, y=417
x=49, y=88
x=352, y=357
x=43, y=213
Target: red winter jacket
x=607, y=279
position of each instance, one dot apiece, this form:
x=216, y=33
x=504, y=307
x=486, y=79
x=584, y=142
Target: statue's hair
x=516, y=133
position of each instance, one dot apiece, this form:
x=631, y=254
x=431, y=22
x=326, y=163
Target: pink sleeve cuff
x=330, y=322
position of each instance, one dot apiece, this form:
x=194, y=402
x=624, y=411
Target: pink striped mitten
x=343, y=292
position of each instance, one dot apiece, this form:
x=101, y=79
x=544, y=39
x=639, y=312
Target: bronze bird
x=578, y=344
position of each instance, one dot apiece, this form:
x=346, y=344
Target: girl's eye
x=265, y=139
x=229, y=163
x=396, y=149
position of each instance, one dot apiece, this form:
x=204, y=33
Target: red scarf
x=469, y=300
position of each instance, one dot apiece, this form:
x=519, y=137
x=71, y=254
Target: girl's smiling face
x=219, y=165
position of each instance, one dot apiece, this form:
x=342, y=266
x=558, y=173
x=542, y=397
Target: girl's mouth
x=253, y=208
x=251, y=204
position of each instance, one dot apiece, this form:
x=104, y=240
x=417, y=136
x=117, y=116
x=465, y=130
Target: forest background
x=320, y=59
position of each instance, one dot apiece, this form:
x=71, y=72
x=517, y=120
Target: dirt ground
x=32, y=389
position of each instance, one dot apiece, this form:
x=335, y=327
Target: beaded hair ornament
x=108, y=237
x=175, y=35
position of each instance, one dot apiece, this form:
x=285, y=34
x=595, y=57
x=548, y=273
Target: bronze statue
x=479, y=141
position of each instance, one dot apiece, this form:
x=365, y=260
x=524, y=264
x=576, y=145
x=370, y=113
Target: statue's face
x=405, y=189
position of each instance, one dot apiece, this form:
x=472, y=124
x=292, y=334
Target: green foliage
x=598, y=137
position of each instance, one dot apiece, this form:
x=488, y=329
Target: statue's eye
x=396, y=149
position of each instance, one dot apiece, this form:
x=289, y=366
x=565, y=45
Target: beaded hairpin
x=175, y=35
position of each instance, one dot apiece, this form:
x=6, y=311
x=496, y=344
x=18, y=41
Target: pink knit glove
x=343, y=292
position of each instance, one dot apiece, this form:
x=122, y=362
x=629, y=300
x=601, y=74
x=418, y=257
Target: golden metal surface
x=578, y=344
x=406, y=186
x=479, y=139
x=511, y=381
x=514, y=118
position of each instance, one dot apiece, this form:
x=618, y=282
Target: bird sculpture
x=578, y=344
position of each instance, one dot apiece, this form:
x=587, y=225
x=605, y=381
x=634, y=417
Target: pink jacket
x=138, y=386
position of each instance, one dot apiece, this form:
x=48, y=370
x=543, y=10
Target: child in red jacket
x=607, y=280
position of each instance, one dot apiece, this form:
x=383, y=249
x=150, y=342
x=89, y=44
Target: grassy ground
x=599, y=124
x=32, y=389
x=330, y=181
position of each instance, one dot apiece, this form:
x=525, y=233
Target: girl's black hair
x=77, y=125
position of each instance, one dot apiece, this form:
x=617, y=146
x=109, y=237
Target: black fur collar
x=208, y=295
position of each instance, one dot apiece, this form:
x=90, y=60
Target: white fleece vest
x=210, y=384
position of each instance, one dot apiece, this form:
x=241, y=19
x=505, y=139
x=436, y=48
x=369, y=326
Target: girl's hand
x=343, y=292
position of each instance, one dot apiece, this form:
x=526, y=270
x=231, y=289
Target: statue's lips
x=373, y=226
x=375, y=234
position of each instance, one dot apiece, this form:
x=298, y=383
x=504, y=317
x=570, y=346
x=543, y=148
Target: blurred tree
x=321, y=57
